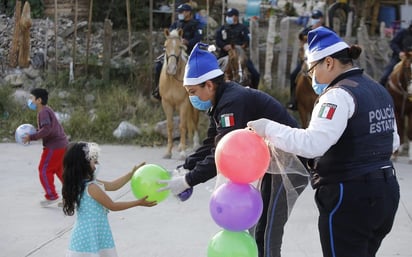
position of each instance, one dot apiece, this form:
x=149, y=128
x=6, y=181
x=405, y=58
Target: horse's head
x=174, y=50
x=400, y=80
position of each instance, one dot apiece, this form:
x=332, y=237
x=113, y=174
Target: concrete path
x=173, y=228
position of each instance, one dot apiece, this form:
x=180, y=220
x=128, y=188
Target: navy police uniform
x=192, y=32
x=351, y=137
x=230, y=100
x=401, y=42
x=237, y=34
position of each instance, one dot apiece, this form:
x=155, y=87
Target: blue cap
x=316, y=14
x=201, y=66
x=184, y=7
x=232, y=11
x=323, y=42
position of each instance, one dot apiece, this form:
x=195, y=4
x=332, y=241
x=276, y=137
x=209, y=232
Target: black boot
x=156, y=94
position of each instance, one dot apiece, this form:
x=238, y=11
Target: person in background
x=208, y=91
x=316, y=21
x=84, y=194
x=234, y=32
x=192, y=34
x=400, y=44
x=350, y=139
x=54, y=144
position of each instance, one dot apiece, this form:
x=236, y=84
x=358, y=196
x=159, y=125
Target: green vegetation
x=96, y=109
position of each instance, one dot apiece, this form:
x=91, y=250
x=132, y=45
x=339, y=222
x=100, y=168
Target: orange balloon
x=242, y=156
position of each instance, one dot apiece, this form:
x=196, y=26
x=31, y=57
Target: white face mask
x=181, y=16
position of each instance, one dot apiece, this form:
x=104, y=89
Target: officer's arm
x=246, y=38
x=219, y=41
x=396, y=42
x=197, y=36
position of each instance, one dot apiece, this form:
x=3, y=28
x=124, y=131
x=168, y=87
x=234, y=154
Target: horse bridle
x=177, y=57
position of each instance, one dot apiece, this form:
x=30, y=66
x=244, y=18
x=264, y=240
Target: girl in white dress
x=91, y=235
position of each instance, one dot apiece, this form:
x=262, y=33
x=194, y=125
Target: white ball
x=23, y=130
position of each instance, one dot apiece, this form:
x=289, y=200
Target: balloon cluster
x=242, y=157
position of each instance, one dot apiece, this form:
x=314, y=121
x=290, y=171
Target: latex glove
x=180, y=171
x=259, y=126
x=176, y=185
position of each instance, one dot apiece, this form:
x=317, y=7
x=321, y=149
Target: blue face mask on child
x=229, y=20
x=317, y=87
x=31, y=105
x=199, y=104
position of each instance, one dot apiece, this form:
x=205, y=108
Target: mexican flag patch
x=327, y=110
x=227, y=120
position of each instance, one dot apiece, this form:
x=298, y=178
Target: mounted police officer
x=316, y=20
x=235, y=33
x=400, y=43
x=192, y=34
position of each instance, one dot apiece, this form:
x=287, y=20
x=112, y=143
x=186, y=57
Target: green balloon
x=144, y=182
x=232, y=244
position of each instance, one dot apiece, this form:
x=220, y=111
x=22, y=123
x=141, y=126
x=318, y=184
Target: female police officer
x=351, y=136
x=228, y=101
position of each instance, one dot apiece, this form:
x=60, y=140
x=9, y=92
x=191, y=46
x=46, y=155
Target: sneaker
x=46, y=203
x=60, y=204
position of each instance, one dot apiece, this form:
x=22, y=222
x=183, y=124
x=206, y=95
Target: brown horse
x=305, y=96
x=236, y=69
x=174, y=96
x=400, y=87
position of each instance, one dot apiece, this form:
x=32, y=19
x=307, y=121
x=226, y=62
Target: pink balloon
x=236, y=207
x=242, y=156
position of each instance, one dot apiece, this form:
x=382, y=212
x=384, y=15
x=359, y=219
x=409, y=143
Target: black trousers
x=355, y=216
x=268, y=232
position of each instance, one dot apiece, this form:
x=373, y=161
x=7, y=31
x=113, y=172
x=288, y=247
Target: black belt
x=385, y=173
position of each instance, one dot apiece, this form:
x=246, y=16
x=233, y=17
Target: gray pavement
x=173, y=228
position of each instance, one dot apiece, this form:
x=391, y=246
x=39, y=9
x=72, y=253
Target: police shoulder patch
x=227, y=120
x=327, y=110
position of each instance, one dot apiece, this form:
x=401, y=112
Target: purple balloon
x=236, y=207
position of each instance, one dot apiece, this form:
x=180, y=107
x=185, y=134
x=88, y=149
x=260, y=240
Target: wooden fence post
x=107, y=49
x=14, y=51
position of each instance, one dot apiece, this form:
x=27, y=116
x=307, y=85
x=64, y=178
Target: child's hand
x=144, y=202
x=137, y=166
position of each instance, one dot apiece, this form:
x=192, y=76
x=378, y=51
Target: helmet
x=316, y=14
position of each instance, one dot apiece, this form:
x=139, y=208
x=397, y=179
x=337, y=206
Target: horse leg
x=183, y=113
x=192, y=126
x=409, y=135
x=168, y=109
x=303, y=115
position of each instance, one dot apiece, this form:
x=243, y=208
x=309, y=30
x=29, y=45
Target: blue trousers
x=355, y=216
x=268, y=232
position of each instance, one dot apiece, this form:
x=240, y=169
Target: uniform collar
x=348, y=73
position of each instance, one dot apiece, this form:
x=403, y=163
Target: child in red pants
x=54, y=144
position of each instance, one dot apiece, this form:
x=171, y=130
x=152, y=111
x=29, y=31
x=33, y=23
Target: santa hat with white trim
x=201, y=66
x=323, y=42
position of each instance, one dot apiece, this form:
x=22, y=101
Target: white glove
x=259, y=126
x=176, y=185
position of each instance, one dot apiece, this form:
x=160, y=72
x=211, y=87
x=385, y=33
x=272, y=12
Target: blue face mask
x=199, y=104
x=317, y=87
x=181, y=16
x=31, y=105
x=314, y=21
x=229, y=20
